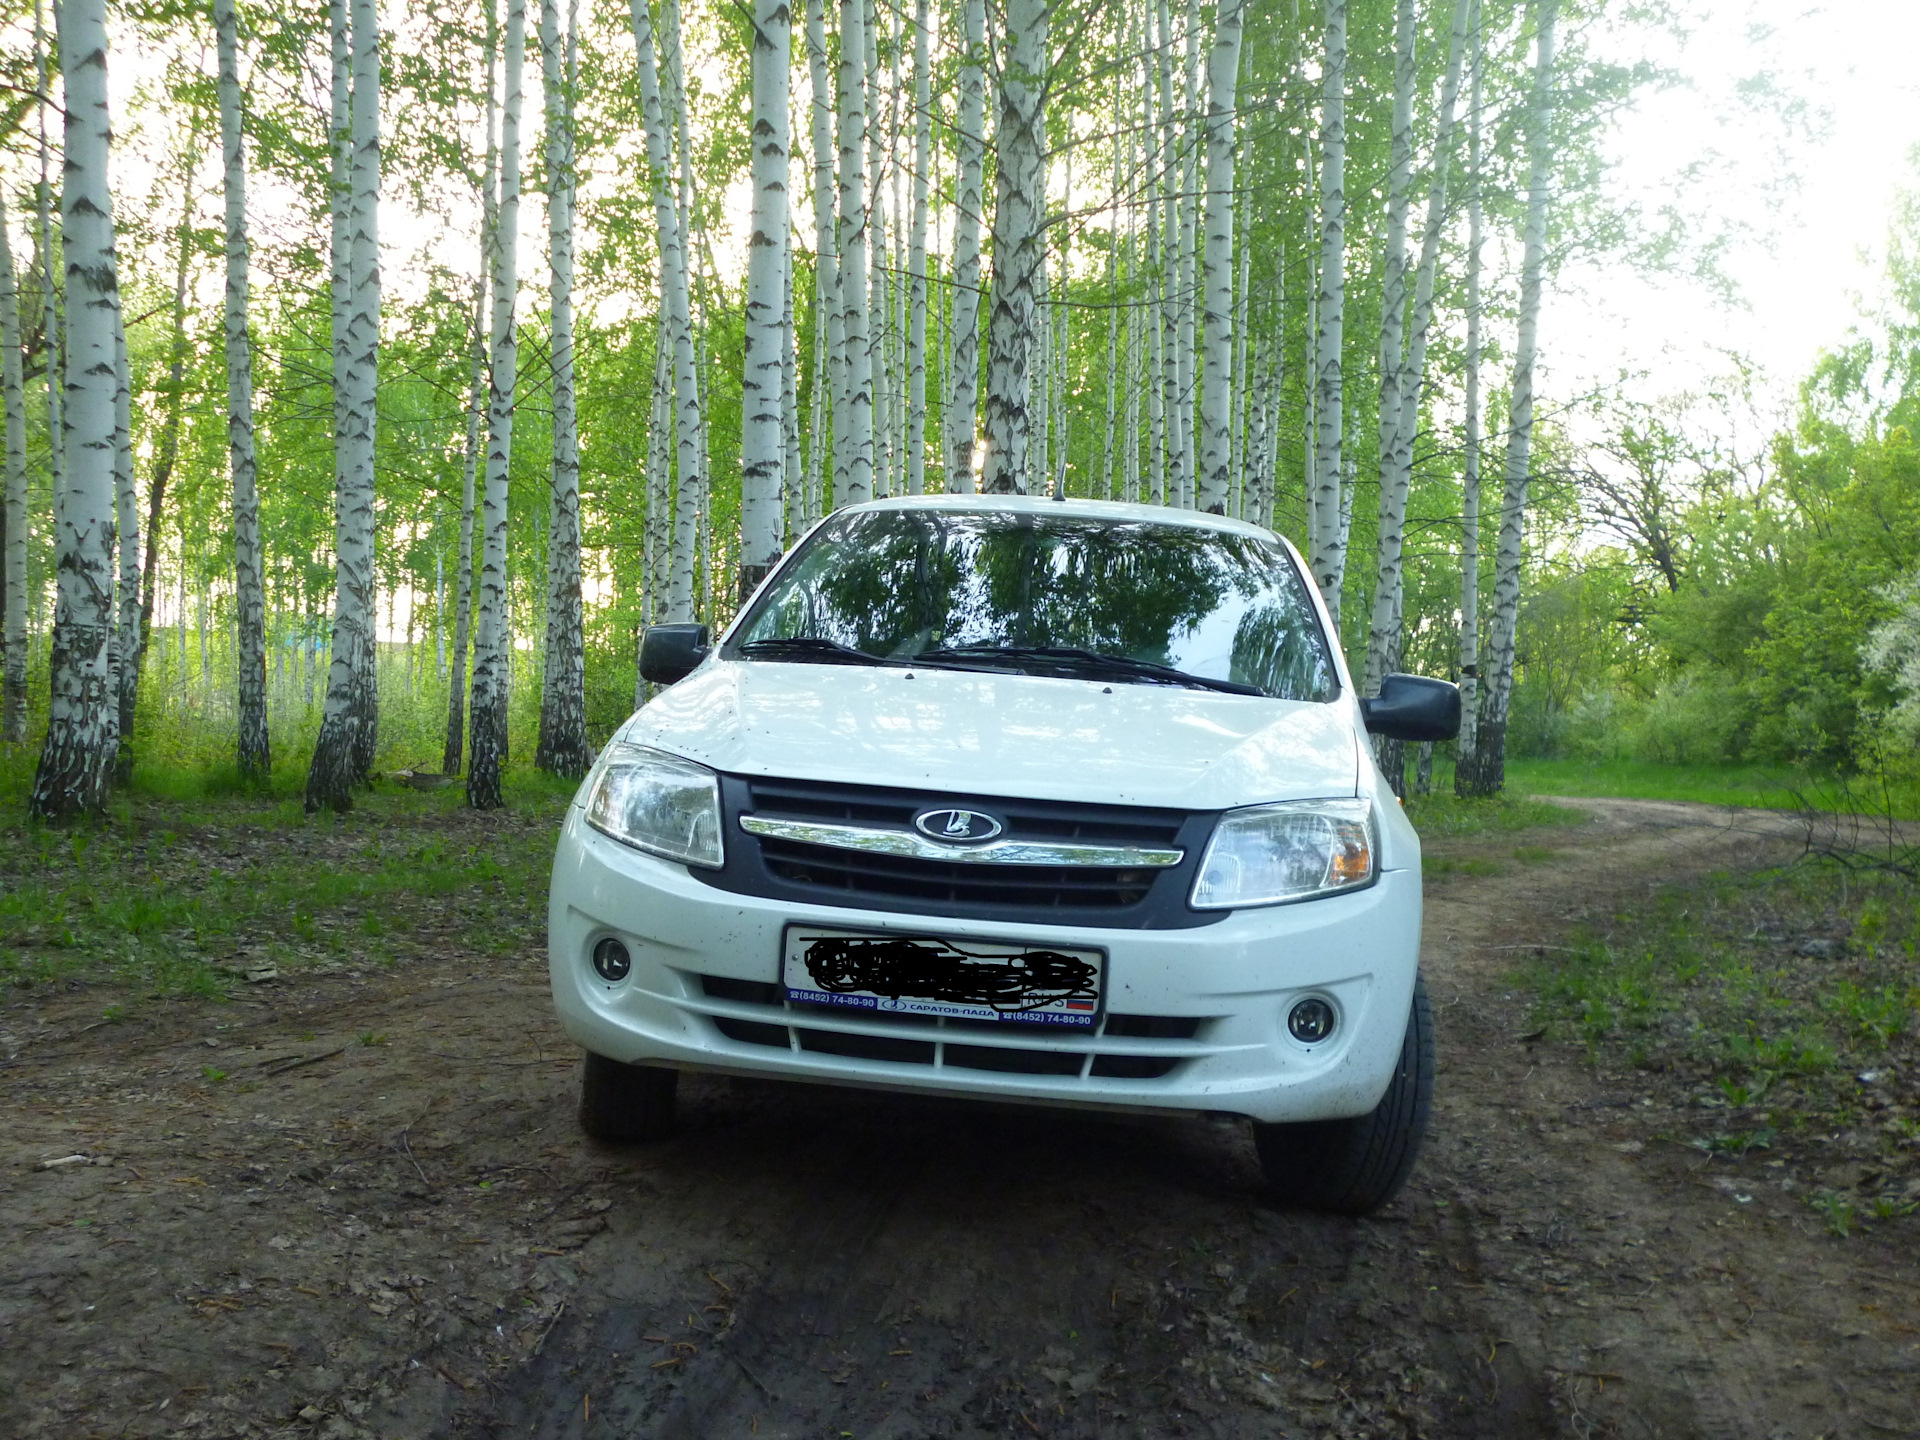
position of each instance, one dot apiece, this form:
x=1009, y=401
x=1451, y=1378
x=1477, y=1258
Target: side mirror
x=668, y=653
x=1411, y=707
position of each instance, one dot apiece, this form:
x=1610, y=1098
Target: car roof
x=1088, y=509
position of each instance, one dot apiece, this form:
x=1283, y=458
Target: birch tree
x=677, y=314
x=255, y=754
x=1019, y=201
x=827, y=346
x=763, y=376
x=917, y=259
x=126, y=512
x=451, y=761
x=853, y=414
x=1327, y=555
x=347, y=723
x=77, y=757
x=1466, y=750
x=963, y=384
x=562, y=748
x=490, y=673
x=13, y=532
x=1490, y=752
x=1216, y=401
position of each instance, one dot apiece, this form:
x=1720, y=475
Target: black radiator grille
x=924, y=1041
x=1134, y=897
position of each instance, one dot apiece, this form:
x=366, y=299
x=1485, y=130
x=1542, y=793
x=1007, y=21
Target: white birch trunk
x=876, y=259
x=1187, y=354
x=917, y=259
x=250, y=603
x=676, y=320
x=1328, y=557
x=1393, y=310
x=963, y=385
x=452, y=756
x=794, y=471
x=1466, y=749
x=1018, y=212
x=126, y=512
x=491, y=677
x=1491, y=757
x=853, y=420
x=44, y=205
x=763, y=377
x=827, y=347
x=77, y=758
x=1397, y=463
x=13, y=502
x=1216, y=400
x=1242, y=378
x=562, y=747
x=346, y=726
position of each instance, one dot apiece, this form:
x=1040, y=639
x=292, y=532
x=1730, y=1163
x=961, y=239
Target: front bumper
x=1237, y=979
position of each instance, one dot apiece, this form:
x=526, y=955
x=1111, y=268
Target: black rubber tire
x=626, y=1102
x=1353, y=1167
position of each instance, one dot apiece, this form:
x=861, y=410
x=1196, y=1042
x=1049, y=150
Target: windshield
x=952, y=586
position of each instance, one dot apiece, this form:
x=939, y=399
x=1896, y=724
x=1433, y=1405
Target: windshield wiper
x=1066, y=657
x=814, y=649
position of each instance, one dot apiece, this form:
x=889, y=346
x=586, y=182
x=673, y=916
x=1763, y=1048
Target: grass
x=1772, y=1010
x=1443, y=815
x=1770, y=787
x=187, y=888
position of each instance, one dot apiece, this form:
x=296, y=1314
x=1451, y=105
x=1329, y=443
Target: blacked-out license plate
x=960, y=979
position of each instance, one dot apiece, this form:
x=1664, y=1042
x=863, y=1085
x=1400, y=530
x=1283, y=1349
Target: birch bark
x=491, y=683
x=346, y=726
x=454, y=752
x=827, y=347
x=1466, y=748
x=1328, y=557
x=562, y=747
x=1018, y=209
x=13, y=564
x=1396, y=472
x=126, y=512
x=77, y=758
x=1491, y=756
x=963, y=386
x=763, y=375
x=1393, y=311
x=917, y=259
x=1186, y=353
x=853, y=418
x=250, y=640
x=1216, y=401
x=676, y=318
x=876, y=258
x=44, y=205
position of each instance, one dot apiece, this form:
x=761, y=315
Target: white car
x=1014, y=799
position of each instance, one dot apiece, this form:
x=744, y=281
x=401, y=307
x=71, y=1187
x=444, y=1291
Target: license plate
x=957, y=979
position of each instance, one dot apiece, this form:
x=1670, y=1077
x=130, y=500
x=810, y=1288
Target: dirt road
x=358, y=1205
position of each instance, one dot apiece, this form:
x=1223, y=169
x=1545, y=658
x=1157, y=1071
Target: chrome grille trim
x=994, y=852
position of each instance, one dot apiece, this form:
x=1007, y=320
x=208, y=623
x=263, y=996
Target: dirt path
x=363, y=1209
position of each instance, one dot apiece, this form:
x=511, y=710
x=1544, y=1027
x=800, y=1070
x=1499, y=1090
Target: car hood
x=985, y=734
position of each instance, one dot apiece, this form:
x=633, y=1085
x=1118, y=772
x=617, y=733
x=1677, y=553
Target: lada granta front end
x=1065, y=803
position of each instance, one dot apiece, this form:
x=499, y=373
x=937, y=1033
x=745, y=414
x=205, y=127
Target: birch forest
x=375, y=372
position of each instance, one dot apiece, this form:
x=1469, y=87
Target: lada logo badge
x=956, y=827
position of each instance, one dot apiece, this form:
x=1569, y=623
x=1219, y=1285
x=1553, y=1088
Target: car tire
x=1353, y=1167
x=626, y=1102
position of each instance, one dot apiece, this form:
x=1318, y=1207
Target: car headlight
x=659, y=803
x=1266, y=854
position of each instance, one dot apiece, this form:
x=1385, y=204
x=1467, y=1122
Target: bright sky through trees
x=1796, y=252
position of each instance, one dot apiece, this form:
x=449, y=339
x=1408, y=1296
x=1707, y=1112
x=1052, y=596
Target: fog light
x=1311, y=1021
x=610, y=958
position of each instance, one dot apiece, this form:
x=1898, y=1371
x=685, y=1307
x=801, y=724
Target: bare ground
x=357, y=1205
